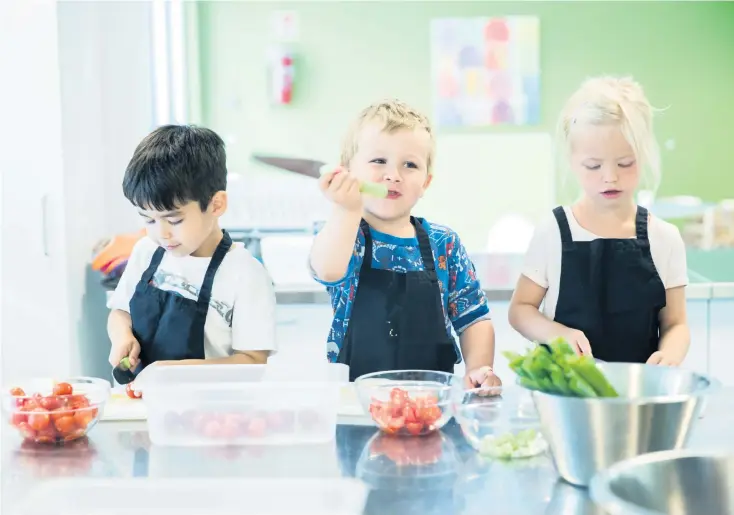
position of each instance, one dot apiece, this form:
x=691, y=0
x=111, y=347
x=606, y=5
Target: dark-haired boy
x=188, y=294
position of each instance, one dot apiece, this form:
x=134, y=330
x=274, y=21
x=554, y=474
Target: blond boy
x=398, y=283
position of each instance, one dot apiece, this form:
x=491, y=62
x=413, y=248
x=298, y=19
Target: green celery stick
x=373, y=189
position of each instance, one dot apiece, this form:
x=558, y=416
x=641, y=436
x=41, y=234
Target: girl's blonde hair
x=393, y=115
x=612, y=100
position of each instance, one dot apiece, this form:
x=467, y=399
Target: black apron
x=397, y=320
x=167, y=325
x=611, y=291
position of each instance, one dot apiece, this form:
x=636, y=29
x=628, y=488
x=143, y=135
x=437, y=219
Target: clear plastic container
x=237, y=405
x=221, y=496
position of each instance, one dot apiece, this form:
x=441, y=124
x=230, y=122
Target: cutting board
x=121, y=407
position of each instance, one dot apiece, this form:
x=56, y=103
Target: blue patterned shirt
x=464, y=302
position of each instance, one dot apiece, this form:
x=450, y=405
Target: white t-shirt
x=543, y=259
x=241, y=312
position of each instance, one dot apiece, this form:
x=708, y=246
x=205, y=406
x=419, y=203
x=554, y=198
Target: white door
x=34, y=323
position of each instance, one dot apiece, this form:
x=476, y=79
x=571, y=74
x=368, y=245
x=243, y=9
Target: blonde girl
x=610, y=277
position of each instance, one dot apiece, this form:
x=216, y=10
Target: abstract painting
x=485, y=71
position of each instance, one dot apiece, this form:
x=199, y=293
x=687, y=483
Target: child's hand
x=665, y=359
x=482, y=377
x=578, y=341
x=342, y=188
x=125, y=347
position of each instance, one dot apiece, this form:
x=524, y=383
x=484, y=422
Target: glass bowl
x=500, y=422
x=408, y=402
x=49, y=411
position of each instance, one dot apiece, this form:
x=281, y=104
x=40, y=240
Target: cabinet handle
x=44, y=232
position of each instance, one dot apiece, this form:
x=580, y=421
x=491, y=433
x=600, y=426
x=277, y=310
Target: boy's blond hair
x=394, y=115
x=614, y=100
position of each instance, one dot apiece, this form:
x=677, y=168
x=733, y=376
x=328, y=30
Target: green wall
x=352, y=53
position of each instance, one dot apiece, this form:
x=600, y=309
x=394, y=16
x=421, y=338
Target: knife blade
x=307, y=167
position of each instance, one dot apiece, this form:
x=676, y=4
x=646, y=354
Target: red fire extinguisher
x=282, y=74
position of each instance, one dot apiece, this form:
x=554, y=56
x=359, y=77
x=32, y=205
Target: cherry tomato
x=65, y=425
x=17, y=392
x=129, y=390
x=62, y=389
x=256, y=428
x=18, y=418
x=26, y=430
x=51, y=403
x=46, y=435
x=83, y=418
x=77, y=402
x=39, y=419
x=30, y=405
x=74, y=435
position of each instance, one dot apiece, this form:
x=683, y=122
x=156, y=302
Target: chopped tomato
x=130, y=391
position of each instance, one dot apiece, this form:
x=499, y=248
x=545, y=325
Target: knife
x=311, y=168
x=307, y=167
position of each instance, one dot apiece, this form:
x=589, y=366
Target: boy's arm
x=468, y=311
x=333, y=247
x=119, y=323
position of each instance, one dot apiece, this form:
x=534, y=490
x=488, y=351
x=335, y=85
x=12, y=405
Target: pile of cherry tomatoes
x=237, y=425
x=402, y=414
x=61, y=416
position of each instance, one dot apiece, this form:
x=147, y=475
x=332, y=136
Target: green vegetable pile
x=555, y=368
x=524, y=444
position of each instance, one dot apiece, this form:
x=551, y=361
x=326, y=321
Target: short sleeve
x=354, y=263
x=253, y=317
x=466, y=299
x=537, y=257
x=677, y=267
x=137, y=263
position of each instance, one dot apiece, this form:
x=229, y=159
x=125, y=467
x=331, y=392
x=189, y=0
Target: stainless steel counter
x=453, y=479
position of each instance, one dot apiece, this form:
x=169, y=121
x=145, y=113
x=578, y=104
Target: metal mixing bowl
x=667, y=483
x=655, y=411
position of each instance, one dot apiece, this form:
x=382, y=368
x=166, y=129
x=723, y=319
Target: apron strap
x=153, y=266
x=563, y=226
x=424, y=244
x=641, y=223
x=367, y=260
x=205, y=293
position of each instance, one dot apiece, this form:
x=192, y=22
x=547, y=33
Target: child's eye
x=175, y=222
x=592, y=167
x=379, y=161
x=411, y=164
x=626, y=165
x=149, y=221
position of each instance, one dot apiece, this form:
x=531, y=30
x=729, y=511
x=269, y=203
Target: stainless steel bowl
x=667, y=483
x=655, y=411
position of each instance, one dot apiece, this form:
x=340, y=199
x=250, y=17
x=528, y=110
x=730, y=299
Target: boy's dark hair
x=174, y=165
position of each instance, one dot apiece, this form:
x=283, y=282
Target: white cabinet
x=35, y=323
x=698, y=323
x=722, y=339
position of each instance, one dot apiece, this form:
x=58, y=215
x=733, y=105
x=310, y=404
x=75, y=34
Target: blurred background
x=90, y=79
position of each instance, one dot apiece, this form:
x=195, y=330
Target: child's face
x=183, y=230
x=397, y=159
x=605, y=163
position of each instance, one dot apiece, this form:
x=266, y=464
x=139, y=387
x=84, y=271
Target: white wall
x=107, y=107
